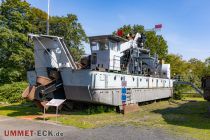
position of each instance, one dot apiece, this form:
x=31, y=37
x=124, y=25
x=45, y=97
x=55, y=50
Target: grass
x=17, y=110
x=189, y=117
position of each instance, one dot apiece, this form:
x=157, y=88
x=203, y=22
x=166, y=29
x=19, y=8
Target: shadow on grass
x=16, y=110
x=29, y=108
x=194, y=114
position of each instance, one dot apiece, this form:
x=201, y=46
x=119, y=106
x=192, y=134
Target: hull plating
x=105, y=87
x=113, y=96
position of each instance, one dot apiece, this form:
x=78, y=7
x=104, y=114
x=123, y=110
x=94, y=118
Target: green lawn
x=189, y=117
x=17, y=110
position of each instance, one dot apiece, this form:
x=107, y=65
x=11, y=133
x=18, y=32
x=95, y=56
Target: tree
x=15, y=56
x=197, y=69
x=72, y=31
x=39, y=21
x=17, y=19
x=155, y=43
x=207, y=61
x=15, y=15
x=178, y=65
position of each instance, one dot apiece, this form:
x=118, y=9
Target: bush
x=11, y=93
x=177, y=95
x=178, y=92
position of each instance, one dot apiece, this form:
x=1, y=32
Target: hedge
x=11, y=93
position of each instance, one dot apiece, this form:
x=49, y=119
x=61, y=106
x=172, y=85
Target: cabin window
x=103, y=46
x=94, y=46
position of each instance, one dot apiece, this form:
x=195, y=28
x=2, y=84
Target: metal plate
x=123, y=98
x=55, y=102
x=124, y=90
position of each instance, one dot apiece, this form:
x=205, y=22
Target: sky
x=186, y=23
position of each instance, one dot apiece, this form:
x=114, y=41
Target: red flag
x=120, y=33
x=158, y=26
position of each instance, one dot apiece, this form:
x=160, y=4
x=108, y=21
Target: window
x=94, y=46
x=115, y=77
x=103, y=46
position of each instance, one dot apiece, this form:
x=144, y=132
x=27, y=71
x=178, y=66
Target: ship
x=118, y=72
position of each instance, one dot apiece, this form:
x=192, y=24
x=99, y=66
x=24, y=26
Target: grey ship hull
x=84, y=85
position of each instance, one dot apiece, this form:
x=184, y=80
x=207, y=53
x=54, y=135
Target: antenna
x=48, y=17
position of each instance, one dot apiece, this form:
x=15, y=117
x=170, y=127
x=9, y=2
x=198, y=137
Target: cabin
x=105, y=52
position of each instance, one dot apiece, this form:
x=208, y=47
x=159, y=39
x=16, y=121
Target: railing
x=199, y=91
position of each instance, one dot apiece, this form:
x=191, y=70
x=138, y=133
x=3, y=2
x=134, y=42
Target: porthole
x=115, y=77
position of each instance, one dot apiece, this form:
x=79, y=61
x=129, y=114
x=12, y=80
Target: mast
x=48, y=16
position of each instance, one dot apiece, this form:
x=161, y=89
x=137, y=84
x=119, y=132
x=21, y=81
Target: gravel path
x=40, y=129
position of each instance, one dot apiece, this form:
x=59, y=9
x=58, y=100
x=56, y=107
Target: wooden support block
x=130, y=108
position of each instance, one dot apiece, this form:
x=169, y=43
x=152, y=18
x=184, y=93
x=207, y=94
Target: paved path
x=72, y=133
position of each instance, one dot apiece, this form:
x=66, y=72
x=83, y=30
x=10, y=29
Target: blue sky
x=186, y=23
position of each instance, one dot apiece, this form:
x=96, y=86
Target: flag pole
x=48, y=17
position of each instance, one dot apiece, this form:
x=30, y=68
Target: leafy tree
x=17, y=19
x=15, y=57
x=155, y=43
x=15, y=15
x=39, y=21
x=196, y=69
x=179, y=69
x=65, y=26
x=72, y=31
x=207, y=71
x=178, y=65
